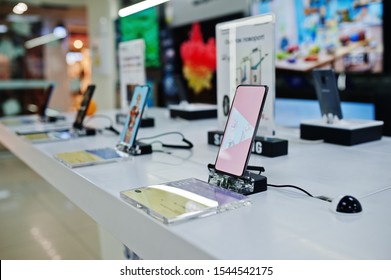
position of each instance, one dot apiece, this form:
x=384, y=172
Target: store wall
x=56, y=70
x=100, y=18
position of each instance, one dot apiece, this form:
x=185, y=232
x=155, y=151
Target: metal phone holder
x=249, y=183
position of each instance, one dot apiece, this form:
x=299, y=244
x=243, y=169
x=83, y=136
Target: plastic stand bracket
x=85, y=131
x=247, y=184
x=137, y=149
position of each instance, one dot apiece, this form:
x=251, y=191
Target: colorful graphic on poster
x=199, y=60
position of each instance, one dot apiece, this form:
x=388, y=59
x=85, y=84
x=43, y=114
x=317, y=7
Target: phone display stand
x=249, y=183
x=147, y=122
x=331, y=118
x=137, y=149
x=52, y=119
x=346, y=132
x=194, y=111
x=85, y=131
x=333, y=128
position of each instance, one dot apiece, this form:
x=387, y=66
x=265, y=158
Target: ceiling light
x=78, y=44
x=146, y=4
x=17, y=11
x=60, y=31
x=20, y=8
x=45, y=39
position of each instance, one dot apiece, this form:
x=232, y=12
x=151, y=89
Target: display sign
x=131, y=67
x=245, y=55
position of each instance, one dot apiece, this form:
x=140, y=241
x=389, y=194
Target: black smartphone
x=327, y=92
x=81, y=113
x=47, y=94
x=240, y=130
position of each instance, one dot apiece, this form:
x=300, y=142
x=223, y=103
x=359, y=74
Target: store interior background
x=93, y=25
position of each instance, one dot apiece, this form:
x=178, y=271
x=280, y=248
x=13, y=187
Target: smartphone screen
x=136, y=108
x=240, y=130
x=81, y=113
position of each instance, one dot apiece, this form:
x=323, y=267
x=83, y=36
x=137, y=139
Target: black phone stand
x=52, y=119
x=140, y=148
x=137, y=149
x=247, y=184
x=85, y=131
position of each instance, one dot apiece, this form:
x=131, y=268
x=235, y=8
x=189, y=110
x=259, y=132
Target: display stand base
x=193, y=111
x=147, y=122
x=344, y=132
x=52, y=119
x=85, y=131
x=140, y=149
x=264, y=146
x=247, y=184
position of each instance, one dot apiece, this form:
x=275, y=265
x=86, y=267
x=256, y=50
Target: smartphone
x=240, y=130
x=327, y=92
x=81, y=113
x=136, y=109
x=47, y=95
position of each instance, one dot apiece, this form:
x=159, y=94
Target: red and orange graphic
x=199, y=60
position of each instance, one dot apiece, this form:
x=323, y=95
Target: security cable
x=321, y=197
x=290, y=186
x=188, y=146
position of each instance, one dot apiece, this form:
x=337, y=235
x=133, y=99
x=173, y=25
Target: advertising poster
x=245, y=55
x=131, y=67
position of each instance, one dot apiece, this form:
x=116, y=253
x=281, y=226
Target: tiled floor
x=37, y=221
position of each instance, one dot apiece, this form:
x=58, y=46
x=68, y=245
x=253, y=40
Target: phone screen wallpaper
x=238, y=135
x=128, y=135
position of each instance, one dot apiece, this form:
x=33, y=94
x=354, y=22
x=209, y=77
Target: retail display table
x=279, y=224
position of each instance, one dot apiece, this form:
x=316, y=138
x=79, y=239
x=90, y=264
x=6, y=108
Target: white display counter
x=280, y=223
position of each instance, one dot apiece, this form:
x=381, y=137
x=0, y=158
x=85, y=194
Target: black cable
x=291, y=186
x=188, y=146
x=162, y=134
x=154, y=142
